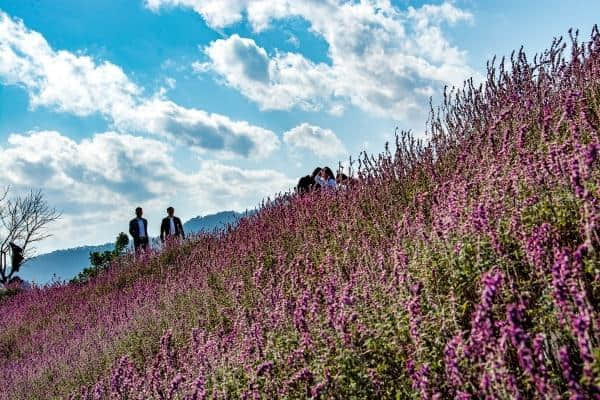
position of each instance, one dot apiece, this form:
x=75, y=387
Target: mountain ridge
x=63, y=264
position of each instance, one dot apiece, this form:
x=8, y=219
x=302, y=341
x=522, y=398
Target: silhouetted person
x=17, y=256
x=305, y=184
x=138, y=229
x=171, y=226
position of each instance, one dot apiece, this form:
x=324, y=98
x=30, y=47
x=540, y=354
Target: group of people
x=321, y=178
x=170, y=228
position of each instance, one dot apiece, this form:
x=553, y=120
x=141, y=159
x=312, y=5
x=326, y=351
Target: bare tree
x=24, y=221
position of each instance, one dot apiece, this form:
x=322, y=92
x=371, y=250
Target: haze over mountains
x=64, y=264
x=211, y=222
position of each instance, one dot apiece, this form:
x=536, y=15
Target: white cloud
x=281, y=82
x=446, y=12
x=323, y=142
x=78, y=84
x=58, y=78
x=379, y=54
x=97, y=182
x=197, y=128
x=217, y=13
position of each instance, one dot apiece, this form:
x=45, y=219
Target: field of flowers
x=464, y=266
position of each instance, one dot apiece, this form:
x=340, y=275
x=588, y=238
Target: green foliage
x=100, y=261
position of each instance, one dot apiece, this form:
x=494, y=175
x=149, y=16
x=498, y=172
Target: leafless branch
x=24, y=221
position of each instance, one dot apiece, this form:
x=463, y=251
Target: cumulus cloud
x=322, y=142
x=445, y=12
x=98, y=181
x=280, y=82
x=378, y=54
x=80, y=85
x=199, y=129
x=240, y=58
x=217, y=13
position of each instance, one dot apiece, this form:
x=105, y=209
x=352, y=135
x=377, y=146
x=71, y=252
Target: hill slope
x=64, y=264
x=465, y=267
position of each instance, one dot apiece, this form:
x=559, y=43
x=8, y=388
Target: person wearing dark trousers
x=138, y=229
x=171, y=226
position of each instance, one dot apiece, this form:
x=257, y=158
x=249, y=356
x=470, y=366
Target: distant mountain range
x=210, y=223
x=65, y=264
x=59, y=264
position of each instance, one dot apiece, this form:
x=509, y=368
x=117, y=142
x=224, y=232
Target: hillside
x=64, y=264
x=465, y=266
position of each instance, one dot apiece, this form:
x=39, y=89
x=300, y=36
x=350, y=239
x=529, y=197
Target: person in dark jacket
x=138, y=229
x=171, y=226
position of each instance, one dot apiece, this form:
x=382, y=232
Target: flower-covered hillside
x=464, y=266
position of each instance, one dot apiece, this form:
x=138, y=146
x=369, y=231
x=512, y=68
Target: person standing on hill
x=171, y=226
x=327, y=178
x=138, y=229
x=316, y=178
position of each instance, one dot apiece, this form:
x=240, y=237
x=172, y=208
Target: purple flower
x=264, y=368
x=98, y=393
x=565, y=364
x=414, y=311
x=576, y=180
x=175, y=384
x=481, y=326
x=451, y=360
x=590, y=155
x=530, y=360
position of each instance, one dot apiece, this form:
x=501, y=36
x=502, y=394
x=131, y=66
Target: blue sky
x=213, y=105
